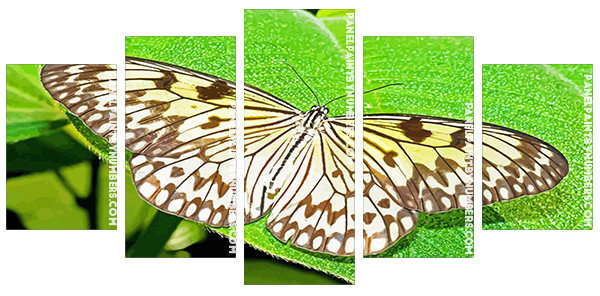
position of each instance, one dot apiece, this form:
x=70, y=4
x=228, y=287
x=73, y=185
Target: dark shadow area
x=13, y=221
x=215, y=245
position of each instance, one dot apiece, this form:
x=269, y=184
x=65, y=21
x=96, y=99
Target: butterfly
x=88, y=91
x=299, y=168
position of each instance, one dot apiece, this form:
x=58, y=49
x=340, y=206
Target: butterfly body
x=304, y=133
x=314, y=118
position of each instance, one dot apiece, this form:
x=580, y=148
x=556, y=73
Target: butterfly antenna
x=312, y=91
x=378, y=88
x=334, y=99
x=372, y=90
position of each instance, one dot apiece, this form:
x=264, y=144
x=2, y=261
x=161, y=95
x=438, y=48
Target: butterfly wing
x=411, y=163
x=314, y=207
x=180, y=127
x=269, y=125
x=88, y=91
x=516, y=164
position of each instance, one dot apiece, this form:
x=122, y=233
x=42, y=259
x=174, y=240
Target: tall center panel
x=299, y=146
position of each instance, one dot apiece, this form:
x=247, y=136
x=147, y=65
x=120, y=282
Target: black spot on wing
x=413, y=129
x=216, y=90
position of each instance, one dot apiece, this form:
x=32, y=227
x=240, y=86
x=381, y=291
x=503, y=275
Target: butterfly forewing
x=88, y=91
x=180, y=127
x=269, y=126
x=419, y=161
x=269, y=129
x=516, y=164
x=411, y=163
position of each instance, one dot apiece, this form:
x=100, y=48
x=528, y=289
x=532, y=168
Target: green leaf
x=337, y=23
x=42, y=200
x=329, y=13
x=152, y=233
x=211, y=55
x=40, y=167
x=302, y=41
x=30, y=112
x=186, y=234
x=45, y=152
x=545, y=101
x=337, y=27
x=438, y=77
x=305, y=42
x=274, y=272
x=437, y=73
x=154, y=238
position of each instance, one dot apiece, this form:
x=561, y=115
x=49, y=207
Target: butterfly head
x=314, y=117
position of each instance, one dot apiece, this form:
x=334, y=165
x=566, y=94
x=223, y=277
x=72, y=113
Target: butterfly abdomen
x=277, y=179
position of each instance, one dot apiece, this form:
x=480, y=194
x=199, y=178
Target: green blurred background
x=53, y=180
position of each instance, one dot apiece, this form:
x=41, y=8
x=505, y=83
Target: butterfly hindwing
x=180, y=126
x=385, y=221
x=88, y=91
x=315, y=208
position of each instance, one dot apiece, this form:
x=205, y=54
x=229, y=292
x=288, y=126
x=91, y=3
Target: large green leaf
x=545, y=101
x=305, y=42
x=211, y=55
x=275, y=272
x=438, y=77
x=154, y=233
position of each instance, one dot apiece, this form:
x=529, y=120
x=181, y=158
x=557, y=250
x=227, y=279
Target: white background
x=93, y=262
